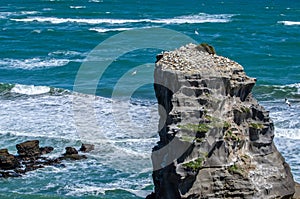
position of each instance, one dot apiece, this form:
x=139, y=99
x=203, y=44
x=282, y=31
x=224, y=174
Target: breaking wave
x=32, y=63
x=290, y=23
x=189, y=19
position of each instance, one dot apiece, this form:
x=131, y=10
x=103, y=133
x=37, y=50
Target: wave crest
x=275, y=92
x=189, y=19
x=22, y=89
x=290, y=23
x=30, y=89
x=288, y=133
x=33, y=63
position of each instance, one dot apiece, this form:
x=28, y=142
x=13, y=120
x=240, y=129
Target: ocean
x=45, y=44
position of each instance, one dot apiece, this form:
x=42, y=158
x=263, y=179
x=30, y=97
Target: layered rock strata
x=216, y=141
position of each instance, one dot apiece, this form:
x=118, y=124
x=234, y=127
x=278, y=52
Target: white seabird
x=196, y=32
x=287, y=102
x=134, y=72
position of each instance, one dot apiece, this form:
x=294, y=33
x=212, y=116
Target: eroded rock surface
x=216, y=141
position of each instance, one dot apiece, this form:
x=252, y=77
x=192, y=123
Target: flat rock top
x=189, y=59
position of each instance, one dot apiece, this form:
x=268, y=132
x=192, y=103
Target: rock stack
x=216, y=141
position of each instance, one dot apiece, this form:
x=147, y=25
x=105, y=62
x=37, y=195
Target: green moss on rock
x=194, y=165
x=258, y=126
x=226, y=125
x=245, y=109
x=206, y=48
x=235, y=169
x=198, y=128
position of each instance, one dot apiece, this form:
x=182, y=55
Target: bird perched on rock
x=287, y=102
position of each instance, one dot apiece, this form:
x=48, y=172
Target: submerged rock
x=216, y=141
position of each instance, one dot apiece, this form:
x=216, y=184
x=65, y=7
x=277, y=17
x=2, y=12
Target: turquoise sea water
x=44, y=43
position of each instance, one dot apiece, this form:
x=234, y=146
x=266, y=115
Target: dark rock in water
x=29, y=148
x=72, y=154
x=30, y=158
x=8, y=161
x=46, y=150
x=87, y=147
x=216, y=141
x=71, y=151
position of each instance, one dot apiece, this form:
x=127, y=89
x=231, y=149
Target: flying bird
x=287, y=102
x=134, y=72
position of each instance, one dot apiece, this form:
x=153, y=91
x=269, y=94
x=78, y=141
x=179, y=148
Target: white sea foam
x=189, y=19
x=4, y=15
x=77, y=7
x=296, y=85
x=51, y=116
x=47, y=9
x=55, y=20
x=82, y=188
x=96, y=190
x=195, y=19
x=30, y=89
x=286, y=119
x=96, y=1
x=288, y=133
x=36, y=31
x=66, y=53
x=43, y=135
x=102, y=30
x=290, y=23
x=283, y=88
x=29, y=12
x=33, y=63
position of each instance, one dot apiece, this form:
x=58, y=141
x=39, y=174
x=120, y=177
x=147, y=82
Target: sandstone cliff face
x=216, y=141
